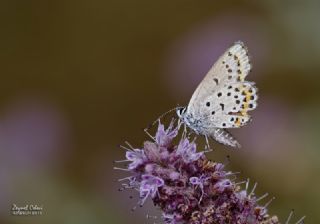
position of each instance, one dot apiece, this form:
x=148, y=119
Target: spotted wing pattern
x=233, y=66
x=229, y=107
x=223, y=99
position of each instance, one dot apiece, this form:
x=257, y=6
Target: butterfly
x=223, y=98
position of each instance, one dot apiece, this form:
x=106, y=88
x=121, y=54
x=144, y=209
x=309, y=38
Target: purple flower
x=189, y=188
x=136, y=156
x=223, y=185
x=199, y=182
x=188, y=151
x=149, y=186
x=164, y=137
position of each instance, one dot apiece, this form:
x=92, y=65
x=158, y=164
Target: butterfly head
x=181, y=111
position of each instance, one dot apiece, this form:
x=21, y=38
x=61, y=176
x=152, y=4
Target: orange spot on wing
x=246, y=104
x=237, y=122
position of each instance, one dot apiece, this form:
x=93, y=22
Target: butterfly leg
x=185, y=131
x=207, y=147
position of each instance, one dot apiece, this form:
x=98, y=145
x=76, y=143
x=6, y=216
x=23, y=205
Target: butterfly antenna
x=161, y=116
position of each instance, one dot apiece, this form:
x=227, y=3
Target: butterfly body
x=223, y=99
x=205, y=129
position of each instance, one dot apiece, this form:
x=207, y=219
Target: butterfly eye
x=181, y=111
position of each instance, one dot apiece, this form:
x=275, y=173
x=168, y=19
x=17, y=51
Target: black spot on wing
x=222, y=106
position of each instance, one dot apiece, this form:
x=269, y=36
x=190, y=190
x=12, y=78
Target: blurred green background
x=80, y=77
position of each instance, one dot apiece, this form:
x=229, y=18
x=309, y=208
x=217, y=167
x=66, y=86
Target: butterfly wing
x=231, y=104
x=223, y=98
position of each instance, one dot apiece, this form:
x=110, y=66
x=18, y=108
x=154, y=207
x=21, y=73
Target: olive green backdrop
x=80, y=77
